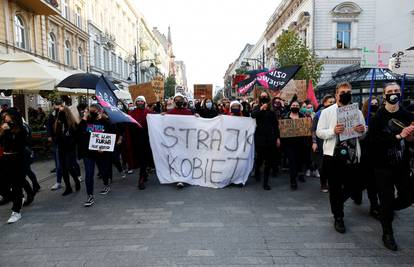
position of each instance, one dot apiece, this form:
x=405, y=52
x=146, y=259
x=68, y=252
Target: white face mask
x=209, y=105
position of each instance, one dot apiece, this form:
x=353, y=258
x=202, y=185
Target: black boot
x=141, y=183
x=340, y=225
x=68, y=191
x=389, y=242
x=293, y=184
x=375, y=212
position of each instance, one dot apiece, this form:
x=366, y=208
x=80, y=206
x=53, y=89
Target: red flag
x=311, y=95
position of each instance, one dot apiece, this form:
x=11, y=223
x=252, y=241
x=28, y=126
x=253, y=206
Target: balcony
x=40, y=7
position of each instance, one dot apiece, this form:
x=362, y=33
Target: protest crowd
x=367, y=149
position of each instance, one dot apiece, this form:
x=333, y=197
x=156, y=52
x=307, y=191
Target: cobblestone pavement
x=163, y=226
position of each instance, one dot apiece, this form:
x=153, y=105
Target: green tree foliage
x=291, y=50
x=169, y=86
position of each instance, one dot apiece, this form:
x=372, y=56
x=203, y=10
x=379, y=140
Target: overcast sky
x=208, y=35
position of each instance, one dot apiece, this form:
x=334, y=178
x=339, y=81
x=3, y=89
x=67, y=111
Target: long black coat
x=267, y=127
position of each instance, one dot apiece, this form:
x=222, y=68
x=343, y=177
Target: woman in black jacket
x=266, y=137
x=13, y=142
x=65, y=134
x=208, y=110
x=295, y=148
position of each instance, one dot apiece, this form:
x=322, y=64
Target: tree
x=169, y=86
x=291, y=50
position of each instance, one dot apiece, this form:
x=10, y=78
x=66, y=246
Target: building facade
x=337, y=30
x=181, y=75
x=51, y=30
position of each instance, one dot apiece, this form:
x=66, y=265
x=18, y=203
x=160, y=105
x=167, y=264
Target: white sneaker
x=56, y=186
x=80, y=179
x=123, y=174
x=130, y=171
x=316, y=174
x=308, y=173
x=15, y=216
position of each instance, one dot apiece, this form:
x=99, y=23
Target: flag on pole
x=311, y=95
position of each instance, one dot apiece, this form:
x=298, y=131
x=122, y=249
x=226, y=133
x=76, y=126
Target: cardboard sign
x=376, y=57
x=402, y=62
x=295, y=128
x=294, y=87
x=152, y=91
x=349, y=117
x=203, y=91
x=102, y=142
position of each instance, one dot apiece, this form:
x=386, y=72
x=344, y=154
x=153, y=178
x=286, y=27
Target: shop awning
x=21, y=71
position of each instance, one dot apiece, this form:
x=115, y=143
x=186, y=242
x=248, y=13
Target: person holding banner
x=94, y=121
x=391, y=133
x=142, y=148
x=266, y=137
x=64, y=131
x=341, y=157
x=235, y=109
x=207, y=109
x=179, y=109
x=295, y=148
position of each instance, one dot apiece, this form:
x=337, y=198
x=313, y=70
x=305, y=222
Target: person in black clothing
x=94, y=120
x=208, y=109
x=295, y=148
x=246, y=108
x=390, y=133
x=13, y=141
x=266, y=137
x=65, y=134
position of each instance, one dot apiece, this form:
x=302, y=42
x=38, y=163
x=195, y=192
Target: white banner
x=102, y=142
x=207, y=152
x=402, y=62
x=349, y=116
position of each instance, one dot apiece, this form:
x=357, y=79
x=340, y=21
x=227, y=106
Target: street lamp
x=136, y=64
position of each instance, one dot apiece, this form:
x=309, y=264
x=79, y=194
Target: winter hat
x=140, y=98
x=178, y=95
x=235, y=102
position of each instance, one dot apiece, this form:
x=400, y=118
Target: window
x=343, y=35
x=78, y=21
x=126, y=69
x=96, y=54
x=65, y=9
x=80, y=58
x=120, y=67
x=68, y=54
x=113, y=62
x=106, y=59
x=20, y=32
x=51, y=45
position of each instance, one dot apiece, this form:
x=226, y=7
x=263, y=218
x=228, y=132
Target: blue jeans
x=104, y=164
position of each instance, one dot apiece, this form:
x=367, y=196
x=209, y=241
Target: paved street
x=196, y=226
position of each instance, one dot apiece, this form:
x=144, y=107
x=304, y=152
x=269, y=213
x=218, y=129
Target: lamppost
x=136, y=64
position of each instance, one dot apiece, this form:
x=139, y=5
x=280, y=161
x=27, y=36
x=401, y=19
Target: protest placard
x=294, y=87
x=349, y=116
x=206, y=152
x=102, y=142
x=376, y=57
x=295, y=127
x=402, y=62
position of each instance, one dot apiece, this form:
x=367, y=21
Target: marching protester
x=32, y=189
x=246, y=108
x=367, y=159
x=340, y=158
x=266, y=137
x=142, y=148
x=317, y=143
x=207, y=109
x=12, y=160
x=236, y=109
x=94, y=120
x=391, y=132
x=64, y=132
x=295, y=148
x=179, y=109
x=50, y=124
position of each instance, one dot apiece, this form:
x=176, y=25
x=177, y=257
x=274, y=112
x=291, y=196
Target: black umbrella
x=80, y=80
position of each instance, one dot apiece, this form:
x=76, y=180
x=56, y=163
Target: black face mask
x=264, y=100
x=11, y=124
x=93, y=115
x=179, y=104
x=235, y=111
x=392, y=98
x=374, y=108
x=345, y=98
x=294, y=110
x=140, y=106
x=62, y=116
